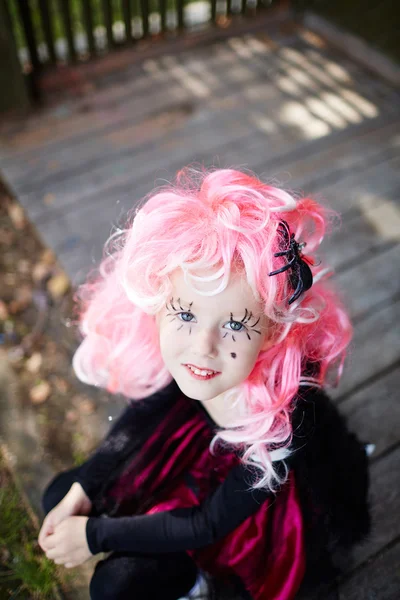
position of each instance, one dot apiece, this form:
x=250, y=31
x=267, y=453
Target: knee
x=51, y=495
x=111, y=580
x=123, y=577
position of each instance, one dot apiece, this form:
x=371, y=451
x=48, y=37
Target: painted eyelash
x=246, y=319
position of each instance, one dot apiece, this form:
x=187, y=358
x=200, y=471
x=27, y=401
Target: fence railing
x=48, y=32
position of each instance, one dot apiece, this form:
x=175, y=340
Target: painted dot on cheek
x=233, y=354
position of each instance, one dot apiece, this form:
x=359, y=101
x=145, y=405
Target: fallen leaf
x=15, y=355
x=83, y=403
x=22, y=299
x=7, y=236
x=72, y=415
x=86, y=407
x=40, y=392
x=3, y=311
x=40, y=271
x=34, y=362
x=10, y=278
x=24, y=266
x=48, y=199
x=58, y=285
x=47, y=257
x=60, y=384
x=17, y=215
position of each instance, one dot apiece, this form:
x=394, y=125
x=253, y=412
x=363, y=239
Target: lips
x=201, y=372
x=200, y=368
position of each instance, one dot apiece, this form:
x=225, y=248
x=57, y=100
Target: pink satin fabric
x=266, y=551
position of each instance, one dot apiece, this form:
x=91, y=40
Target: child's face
x=222, y=333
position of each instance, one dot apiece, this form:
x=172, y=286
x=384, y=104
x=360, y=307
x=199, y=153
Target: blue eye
x=188, y=317
x=183, y=316
x=236, y=326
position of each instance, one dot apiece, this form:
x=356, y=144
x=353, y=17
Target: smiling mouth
x=200, y=371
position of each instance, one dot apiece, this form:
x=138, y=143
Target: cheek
x=171, y=340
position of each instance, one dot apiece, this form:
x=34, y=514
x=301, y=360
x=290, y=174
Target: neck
x=222, y=413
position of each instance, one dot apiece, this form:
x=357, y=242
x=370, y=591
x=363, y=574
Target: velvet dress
x=155, y=485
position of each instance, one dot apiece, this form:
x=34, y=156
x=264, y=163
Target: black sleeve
x=183, y=528
x=132, y=426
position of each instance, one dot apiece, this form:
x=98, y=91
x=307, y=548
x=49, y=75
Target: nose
x=206, y=342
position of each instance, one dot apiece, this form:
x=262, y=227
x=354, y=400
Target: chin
x=194, y=391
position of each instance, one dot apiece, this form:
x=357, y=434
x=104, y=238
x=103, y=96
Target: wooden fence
x=53, y=31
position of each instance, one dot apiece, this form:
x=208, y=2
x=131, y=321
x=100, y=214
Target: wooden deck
x=294, y=110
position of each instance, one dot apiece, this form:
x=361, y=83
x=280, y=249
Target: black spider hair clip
x=300, y=277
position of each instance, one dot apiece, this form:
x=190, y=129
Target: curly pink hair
x=220, y=218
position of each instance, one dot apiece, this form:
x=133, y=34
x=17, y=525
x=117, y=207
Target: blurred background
x=102, y=100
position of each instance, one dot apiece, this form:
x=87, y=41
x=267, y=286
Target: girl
x=229, y=461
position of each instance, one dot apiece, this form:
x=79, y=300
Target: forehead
x=236, y=297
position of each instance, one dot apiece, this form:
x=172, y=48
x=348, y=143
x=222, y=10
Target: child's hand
x=68, y=544
x=73, y=504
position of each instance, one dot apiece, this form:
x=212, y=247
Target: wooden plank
x=370, y=283
x=113, y=179
x=64, y=126
x=374, y=349
x=308, y=163
x=182, y=127
x=161, y=85
x=374, y=412
x=364, y=232
x=352, y=191
x=129, y=89
x=385, y=507
x=377, y=580
x=138, y=83
x=192, y=141
x=338, y=250
x=320, y=172
x=302, y=79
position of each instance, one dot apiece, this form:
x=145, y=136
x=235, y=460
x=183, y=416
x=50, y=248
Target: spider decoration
x=300, y=277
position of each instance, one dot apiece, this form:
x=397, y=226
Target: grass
x=25, y=572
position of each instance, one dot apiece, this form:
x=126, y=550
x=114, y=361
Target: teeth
x=200, y=372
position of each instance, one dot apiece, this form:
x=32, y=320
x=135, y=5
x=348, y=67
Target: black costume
x=329, y=466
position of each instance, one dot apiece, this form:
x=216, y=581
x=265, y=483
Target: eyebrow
x=180, y=303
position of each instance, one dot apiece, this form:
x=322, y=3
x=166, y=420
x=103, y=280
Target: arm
x=134, y=424
x=183, y=528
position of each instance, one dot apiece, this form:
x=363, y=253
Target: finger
x=49, y=543
x=43, y=540
x=44, y=532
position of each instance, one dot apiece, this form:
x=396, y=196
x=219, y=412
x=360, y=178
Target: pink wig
x=220, y=218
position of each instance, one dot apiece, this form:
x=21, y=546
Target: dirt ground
x=38, y=336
